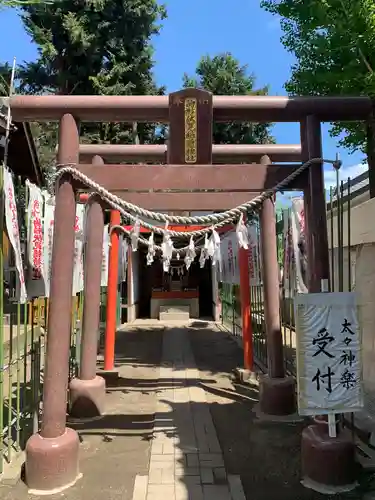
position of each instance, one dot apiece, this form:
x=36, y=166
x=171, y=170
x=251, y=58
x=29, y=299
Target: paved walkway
x=186, y=461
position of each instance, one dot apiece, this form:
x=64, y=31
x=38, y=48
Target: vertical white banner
x=11, y=219
x=125, y=248
x=78, y=282
x=329, y=353
x=105, y=256
x=299, y=244
x=35, y=242
x=253, y=255
x=229, y=257
x=49, y=219
x=287, y=276
x=123, y=259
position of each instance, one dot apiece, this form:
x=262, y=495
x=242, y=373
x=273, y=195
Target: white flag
x=11, y=219
x=123, y=259
x=49, y=219
x=78, y=282
x=299, y=244
x=105, y=256
x=35, y=242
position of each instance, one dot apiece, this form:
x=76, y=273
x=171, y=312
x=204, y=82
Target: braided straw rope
x=133, y=212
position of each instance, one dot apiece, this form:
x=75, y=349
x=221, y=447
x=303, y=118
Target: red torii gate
x=52, y=454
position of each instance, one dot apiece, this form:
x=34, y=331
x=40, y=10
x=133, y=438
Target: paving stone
x=191, y=471
x=161, y=458
x=167, y=476
x=188, y=480
x=179, y=471
x=140, y=488
x=216, y=492
x=169, y=448
x=161, y=465
x=192, y=460
x=156, y=447
x=192, y=492
x=207, y=476
x=236, y=489
x=211, y=460
x=220, y=475
x=161, y=492
x=178, y=453
x=155, y=476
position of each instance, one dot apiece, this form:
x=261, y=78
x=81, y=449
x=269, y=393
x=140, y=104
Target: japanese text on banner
x=11, y=219
x=105, y=256
x=49, y=214
x=78, y=249
x=229, y=258
x=329, y=361
x=35, y=243
x=254, y=268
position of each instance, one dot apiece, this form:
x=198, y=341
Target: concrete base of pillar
x=277, y=396
x=110, y=376
x=87, y=397
x=52, y=463
x=246, y=376
x=328, y=464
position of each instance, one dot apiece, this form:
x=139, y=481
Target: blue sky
x=199, y=27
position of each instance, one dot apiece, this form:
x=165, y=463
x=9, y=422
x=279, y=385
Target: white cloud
x=345, y=172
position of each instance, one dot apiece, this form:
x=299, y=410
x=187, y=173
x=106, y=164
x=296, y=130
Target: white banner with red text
x=105, y=256
x=49, y=219
x=35, y=243
x=11, y=220
x=78, y=278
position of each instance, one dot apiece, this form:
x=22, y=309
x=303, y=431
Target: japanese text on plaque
x=329, y=368
x=190, y=109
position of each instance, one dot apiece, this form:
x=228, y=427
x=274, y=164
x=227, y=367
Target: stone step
x=174, y=316
x=175, y=309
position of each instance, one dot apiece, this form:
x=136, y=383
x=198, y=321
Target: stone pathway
x=186, y=461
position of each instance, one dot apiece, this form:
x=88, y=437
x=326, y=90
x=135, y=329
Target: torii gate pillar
x=277, y=391
x=52, y=455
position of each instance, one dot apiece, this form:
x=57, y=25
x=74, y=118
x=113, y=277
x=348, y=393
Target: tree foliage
x=333, y=42
x=21, y=3
x=224, y=75
x=91, y=47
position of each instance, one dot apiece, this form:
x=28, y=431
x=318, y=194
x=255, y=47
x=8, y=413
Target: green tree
x=92, y=47
x=21, y=3
x=224, y=75
x=333, y=42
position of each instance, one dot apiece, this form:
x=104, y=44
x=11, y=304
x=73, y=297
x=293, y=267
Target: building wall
x=358, y=266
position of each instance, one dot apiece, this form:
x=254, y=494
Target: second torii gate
x=158, y=153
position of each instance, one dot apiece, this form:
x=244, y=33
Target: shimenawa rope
x=216, y=220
